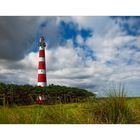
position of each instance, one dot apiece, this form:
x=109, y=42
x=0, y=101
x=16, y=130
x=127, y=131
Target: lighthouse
x=42, y=80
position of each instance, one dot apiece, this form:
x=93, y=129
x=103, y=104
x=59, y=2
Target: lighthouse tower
x=42, y=64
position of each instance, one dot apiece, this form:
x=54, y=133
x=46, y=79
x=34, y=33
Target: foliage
x=11, y=94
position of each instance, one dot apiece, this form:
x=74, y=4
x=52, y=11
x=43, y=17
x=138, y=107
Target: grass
x=104, y=111
x=115, y=109
x=43, y=114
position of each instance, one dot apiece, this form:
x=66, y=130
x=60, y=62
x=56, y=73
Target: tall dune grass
x=113, y=109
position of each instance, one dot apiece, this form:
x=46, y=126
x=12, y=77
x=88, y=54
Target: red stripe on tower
x=41, y=78
x=42, y=64
x=41, y=53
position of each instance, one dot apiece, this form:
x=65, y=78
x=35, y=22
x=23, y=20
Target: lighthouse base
x=41, y=99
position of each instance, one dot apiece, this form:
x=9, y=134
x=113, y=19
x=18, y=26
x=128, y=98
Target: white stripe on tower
x=42, y=84
x=41, y=48
x=41, y=71
x=41, y=58
x=42, y=64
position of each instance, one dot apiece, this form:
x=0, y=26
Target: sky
x=90, y=52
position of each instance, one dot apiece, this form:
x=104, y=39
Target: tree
x=3, y=90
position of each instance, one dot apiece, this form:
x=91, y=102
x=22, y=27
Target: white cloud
x=79, y=39
x=106, y=48
x=21, y=72
x=67, y=65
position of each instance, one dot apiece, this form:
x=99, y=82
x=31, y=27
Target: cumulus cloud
x=80, y=40
x=116, y=52
x=16, y=36
x=19, y=72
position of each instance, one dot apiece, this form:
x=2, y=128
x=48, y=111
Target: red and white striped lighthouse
x=42, y=80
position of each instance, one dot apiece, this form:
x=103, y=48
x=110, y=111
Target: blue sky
x=86, y=52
